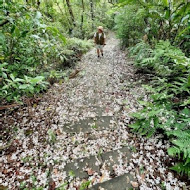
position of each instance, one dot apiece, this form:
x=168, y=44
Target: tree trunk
x=71, y=12
x=38, y=4
x=65, y=15
x=82, y=19
x=92, y=13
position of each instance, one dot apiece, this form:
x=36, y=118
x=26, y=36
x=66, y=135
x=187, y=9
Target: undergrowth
x=169, y=107
x=33, y=51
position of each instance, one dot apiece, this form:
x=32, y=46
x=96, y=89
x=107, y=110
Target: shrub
x=29, y=46
x=130, y=24
x=168, y=109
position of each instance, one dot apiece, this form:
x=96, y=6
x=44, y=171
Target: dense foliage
x=39, y=39
x=168, y=110
x=158, y=33
x=154, y=20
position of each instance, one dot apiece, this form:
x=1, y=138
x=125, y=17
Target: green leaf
x=38, y=15
x=24, y=33
x=185, y=18
x=23, y=86
x=16, y=32
x=186, y=112
x=71, y=173
x=36, y=80
x=173, y=151
x=2, y=38
x=165, y=3
x=4, y=75
x=12, y=77
x=57, y=33
x=181, y=168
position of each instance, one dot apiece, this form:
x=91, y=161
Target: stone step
x=103, y=161
x=79, y=166
x=97, y=110
x=110, y=159
x=88, y=124
x=122, y=182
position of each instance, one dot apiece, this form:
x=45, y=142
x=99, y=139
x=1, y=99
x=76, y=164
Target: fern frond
x=182, y=168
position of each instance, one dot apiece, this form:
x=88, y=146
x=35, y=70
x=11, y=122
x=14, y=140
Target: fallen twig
x=8, y=106
x=74, y=74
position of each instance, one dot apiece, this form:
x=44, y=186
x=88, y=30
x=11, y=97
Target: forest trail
x=77, y=136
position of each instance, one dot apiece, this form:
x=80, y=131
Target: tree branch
x=4, y=22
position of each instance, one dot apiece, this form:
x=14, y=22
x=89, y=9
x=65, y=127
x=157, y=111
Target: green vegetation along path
x=77, y=136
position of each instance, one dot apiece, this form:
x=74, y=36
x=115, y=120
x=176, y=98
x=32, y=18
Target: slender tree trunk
x=92, y=13
x=38, y=4
x=170, y=22
x=71, y=12
x=65, y=15
x=82, y=18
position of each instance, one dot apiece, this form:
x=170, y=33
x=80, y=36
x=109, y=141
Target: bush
x=154, y=20
x=31, y=45
x=165, y=60
x=130, y=24
x=169, y=91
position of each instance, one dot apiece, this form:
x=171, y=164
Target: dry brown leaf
x=102, y=178
x=134, y=184
x=73, y=75
x=17, y=172
x=52, y=185
x=107, y=109
x=58, y=132
x=93, y=180
x=142, y=177
x=8, y=106
x=5, y=171
x=90, y=171
x=55, y=171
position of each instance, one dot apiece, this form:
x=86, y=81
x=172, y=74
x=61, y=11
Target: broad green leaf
x=165, y=3
x=12, y=77
x=36, y=79
x=38, y=15
x=4, y=75
x=2, y=38
x=16, y=32
x=57, y=33
x=23, y=86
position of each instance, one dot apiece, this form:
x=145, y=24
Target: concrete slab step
x=107, y=161
x=88, y=124
x=118, y=183
x=97, y=110
x=115, y=157
x=78, y=168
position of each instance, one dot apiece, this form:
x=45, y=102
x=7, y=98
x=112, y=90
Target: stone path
x=77, y=137
x=94, y=112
